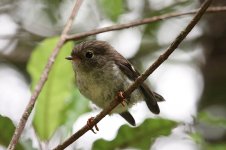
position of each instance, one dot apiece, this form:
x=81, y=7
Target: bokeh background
x=192, y=80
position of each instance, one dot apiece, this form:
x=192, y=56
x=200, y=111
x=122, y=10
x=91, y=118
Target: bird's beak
x=69, y=58
x=75, y=59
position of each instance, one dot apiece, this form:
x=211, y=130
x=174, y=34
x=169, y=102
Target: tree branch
x=43, y=78
x=216, y=9
x=140, y=79
x=140, y=22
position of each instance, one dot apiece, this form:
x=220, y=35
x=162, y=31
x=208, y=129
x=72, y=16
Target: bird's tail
x=151, y=99
x=158, y=97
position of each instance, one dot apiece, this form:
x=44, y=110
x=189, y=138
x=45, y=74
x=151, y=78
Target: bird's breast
x=98, y=85
x=102, y=86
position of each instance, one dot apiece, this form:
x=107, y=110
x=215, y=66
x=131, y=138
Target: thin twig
x=43, y=78
x=140, y=79
x=140, y=22
x=132, y=24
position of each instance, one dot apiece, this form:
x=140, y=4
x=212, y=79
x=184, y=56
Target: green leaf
x=217, y=146
x=211, y=119
x=197, y=137
x=57, y=91
x=112, y=9
x=205, y=145
x=139, y=137
x=6, y=132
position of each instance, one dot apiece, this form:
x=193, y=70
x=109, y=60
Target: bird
x=101, y=73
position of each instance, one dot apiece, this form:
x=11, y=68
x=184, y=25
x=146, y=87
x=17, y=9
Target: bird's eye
x=89, y=54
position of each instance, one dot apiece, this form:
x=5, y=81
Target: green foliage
x=213, y=120
x=57, y=100
x=112, y=9
x=171, y=8
x=219, y=146
x=217, y=121
x=6, y=132
x=205, y=145
x=74, y=107
x=28, y=144
x=196, y=137
x=150, y=43
x=140, y=137
x=52, y=9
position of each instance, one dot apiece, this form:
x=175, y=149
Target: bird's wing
x=151, y=98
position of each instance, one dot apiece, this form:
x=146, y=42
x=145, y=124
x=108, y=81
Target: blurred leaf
x=213, y=120
x=6, y=132
x=52, y=9
x=197, y=137
x=177, y=5
x=112, y=9
x=208, y=118
x=219, y=146
x=58, y=90
x=28, y=145
x=149, y=42
x=204, y=145
x=74, y=107
x=140, y=137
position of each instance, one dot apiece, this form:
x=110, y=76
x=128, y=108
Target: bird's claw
x=89, y=121
x=121, y=98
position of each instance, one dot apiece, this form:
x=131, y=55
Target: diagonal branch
x=43, y=78
x=140, y=22
x=140, y=79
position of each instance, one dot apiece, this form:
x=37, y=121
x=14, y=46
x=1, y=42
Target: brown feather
x=133, y=74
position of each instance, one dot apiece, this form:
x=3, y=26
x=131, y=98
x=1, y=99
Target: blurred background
x=192, y=80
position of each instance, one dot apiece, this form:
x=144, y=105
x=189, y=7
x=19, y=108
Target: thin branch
x=132, y=24
x=43, y=78
x=140, y=22
x=140, y=79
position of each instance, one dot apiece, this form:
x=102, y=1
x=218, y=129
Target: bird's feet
x=89, y=124
x=121, y=98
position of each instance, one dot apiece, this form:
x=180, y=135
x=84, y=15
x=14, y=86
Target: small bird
x=101, y=73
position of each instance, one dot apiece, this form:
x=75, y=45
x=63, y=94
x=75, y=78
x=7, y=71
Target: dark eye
x=89, y=54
